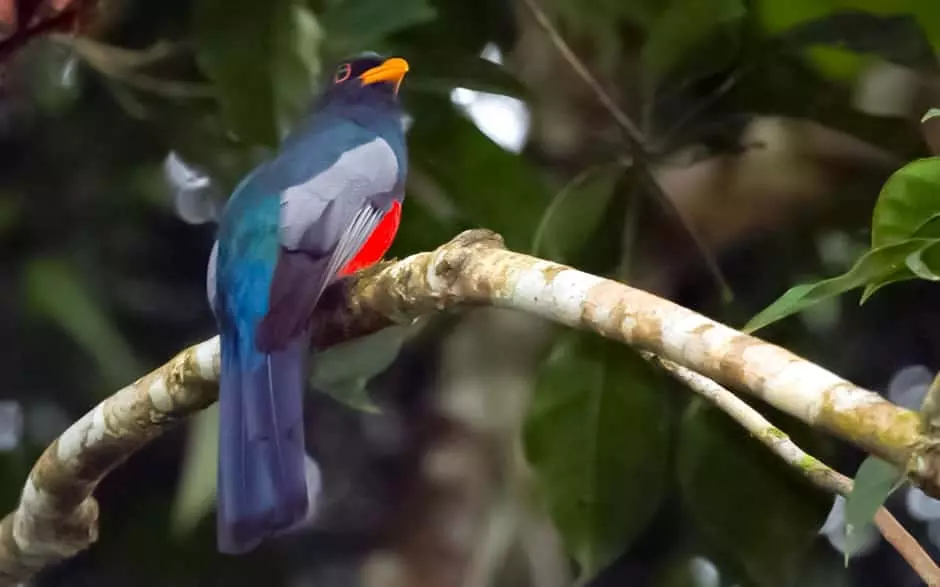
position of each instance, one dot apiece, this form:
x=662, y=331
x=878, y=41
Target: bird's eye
x=342, y=73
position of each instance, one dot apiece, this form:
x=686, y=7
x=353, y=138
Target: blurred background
x=480, y=448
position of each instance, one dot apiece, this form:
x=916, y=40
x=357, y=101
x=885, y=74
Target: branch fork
x=57, y=515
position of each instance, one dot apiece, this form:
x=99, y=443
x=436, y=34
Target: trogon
x=326, y=204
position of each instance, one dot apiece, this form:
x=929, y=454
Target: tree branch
x=57, y=517
x=809, y=466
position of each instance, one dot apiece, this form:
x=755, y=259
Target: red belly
x=378, y=243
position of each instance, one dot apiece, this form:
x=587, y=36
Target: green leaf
x=925, y=263
x=442, y=71
x=680, y=28
x=260, y=57
x=909, y=199
x=360, y=24
x=780, y=15
x=874, y=267
x=610, y=249
x=489, y=186
x=296, y=67
x=841, y=36
x=895, y=37
x=761, y=513
x=896, y=276
x=929, y=228
x=56, y=290
x=875, y=481
x=930, y=114
x=575, y=214
x=904, y=226
x=195, y=494
x=234, y=48
x=597, y=437
x=343, y=371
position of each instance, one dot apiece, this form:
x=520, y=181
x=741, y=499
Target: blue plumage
x=285, y=233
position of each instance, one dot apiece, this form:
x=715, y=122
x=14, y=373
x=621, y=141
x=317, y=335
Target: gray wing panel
x=324, y=223
x=316, y=214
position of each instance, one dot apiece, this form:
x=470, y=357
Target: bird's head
x=367, y=77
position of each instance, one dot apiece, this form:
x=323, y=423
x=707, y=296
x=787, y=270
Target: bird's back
x=250, y=227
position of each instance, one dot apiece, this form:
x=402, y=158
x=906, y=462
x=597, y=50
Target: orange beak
x=393, y=70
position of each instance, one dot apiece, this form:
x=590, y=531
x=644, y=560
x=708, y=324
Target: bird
x=326, y=204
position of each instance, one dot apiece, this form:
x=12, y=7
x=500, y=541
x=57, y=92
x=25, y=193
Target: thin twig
x=120, y=57
x=633, y=133
x=699, y=107
x=124, y=65
x=907, y=547
x=635, y=141
x=809, y=466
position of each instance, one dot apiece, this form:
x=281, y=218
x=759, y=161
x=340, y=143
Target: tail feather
x=262, y=488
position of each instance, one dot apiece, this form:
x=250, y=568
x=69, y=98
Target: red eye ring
x=342, y=73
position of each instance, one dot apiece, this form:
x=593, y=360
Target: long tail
x=262, y=488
